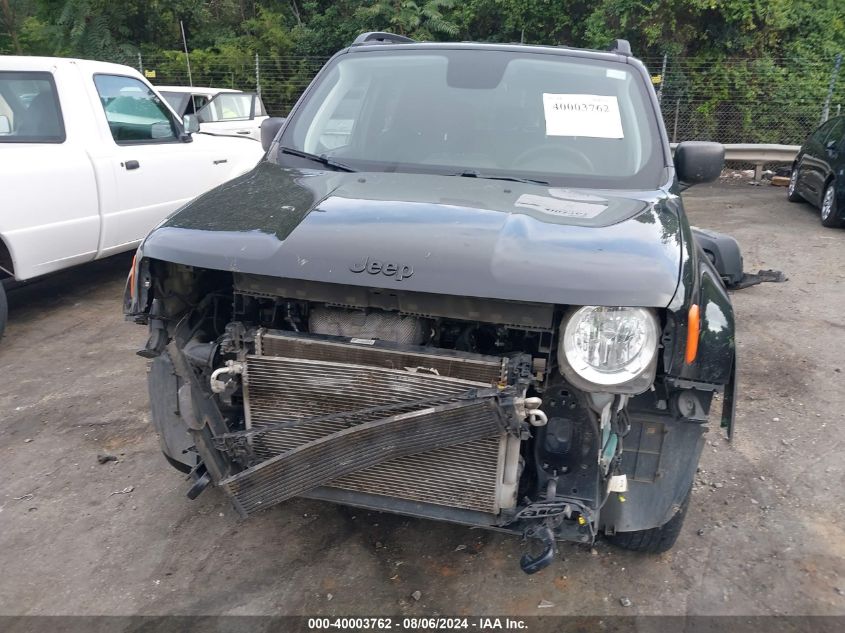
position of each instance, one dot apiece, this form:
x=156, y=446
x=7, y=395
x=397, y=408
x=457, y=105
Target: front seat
x=41, y=118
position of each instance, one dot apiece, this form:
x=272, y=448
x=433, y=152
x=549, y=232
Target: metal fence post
x=833, y=75
x=675, y=128
x=257, y=78
x=662, y=81
x=187, y=57
x=140, y=64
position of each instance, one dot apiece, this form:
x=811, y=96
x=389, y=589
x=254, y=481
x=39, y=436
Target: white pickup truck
x=91, y=159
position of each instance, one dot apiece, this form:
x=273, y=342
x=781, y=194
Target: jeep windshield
x=536, y=116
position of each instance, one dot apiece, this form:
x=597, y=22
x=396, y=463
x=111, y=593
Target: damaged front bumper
x=439, y=434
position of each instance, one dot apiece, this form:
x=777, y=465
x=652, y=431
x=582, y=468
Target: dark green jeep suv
x=460, y=286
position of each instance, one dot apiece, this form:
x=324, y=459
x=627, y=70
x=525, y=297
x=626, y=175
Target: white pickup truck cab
x=91, y=159
x=219, y=110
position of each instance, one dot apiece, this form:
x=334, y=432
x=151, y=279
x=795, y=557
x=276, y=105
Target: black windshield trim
x=470, y=173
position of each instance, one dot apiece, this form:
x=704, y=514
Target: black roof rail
x=381, y=37
x=623, y=47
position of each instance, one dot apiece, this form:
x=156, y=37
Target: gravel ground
x=764, y=534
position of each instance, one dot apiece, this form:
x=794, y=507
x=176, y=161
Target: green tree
x=423, y=20
x=92, y=28
x=11, y=22
x=738, y=69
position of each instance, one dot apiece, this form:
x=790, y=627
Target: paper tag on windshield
x=595, y=116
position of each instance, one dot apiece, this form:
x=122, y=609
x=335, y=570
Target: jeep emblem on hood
x=389, y=269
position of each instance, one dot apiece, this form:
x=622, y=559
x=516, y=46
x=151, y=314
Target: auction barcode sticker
x=595, y=116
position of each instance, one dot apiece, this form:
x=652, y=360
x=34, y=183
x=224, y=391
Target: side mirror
x=191, y=123
x=5, y=125
x=269, y=128
x=699, y=161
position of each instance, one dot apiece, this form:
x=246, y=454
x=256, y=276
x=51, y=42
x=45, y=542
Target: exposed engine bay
x=450, y=408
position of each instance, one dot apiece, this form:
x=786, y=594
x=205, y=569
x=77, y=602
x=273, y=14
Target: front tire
x=656, y=540
x=4, y=308
x=829, y=213
x=792, y=191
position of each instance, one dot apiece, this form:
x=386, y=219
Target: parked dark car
x=461, y=286
x=818, y=173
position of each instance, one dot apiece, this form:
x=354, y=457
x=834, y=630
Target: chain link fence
x=280, y=80
x=735, y=101
x=744, y=100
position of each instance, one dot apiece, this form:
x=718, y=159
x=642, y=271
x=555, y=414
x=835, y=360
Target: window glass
x=29, y=109
x=837, y=131
x=260, y=110
x=134, y=112
x=337, y=131
x=819, y=135
x=494, y=113
x=197, y=102
x=177, y=100
x=227, y=106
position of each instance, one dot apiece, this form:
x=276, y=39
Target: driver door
x=812, y=168
x=156, y=170
x=233, y=114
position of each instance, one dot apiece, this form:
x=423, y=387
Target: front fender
x=700, y=285
x=716, y=343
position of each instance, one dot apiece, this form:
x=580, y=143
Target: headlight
x=612, y=349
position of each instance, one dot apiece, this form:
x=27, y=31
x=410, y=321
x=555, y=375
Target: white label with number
x=618, y=483
x=595, y=116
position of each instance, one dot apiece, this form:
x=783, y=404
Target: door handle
x=242, y=132
x=131, y=164
x=221, y=161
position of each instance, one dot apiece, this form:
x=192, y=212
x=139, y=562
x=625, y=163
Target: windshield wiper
x=474, y=174
x=317, y=158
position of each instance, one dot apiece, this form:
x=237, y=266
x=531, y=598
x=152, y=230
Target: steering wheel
x=549, y=158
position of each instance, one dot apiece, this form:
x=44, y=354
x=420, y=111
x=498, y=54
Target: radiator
x=296, y=378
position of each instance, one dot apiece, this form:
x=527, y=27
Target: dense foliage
x=759, y=68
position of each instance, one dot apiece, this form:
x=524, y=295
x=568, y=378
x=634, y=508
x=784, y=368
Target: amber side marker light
x=693, y=323
x=132, y=279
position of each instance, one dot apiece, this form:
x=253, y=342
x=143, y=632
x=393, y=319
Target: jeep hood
x=437, y=234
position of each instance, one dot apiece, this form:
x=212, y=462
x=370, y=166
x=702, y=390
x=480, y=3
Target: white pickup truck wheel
x=4, y=309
